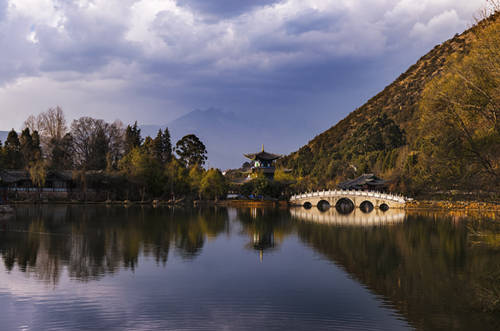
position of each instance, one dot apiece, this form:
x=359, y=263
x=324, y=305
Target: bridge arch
x=366, y=206
x=344, y=206
x=384, y=207
x=307, y=205
x=323, y=205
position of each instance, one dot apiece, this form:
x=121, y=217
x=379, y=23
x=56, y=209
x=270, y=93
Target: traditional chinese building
x=263, y=162
x=365, y=182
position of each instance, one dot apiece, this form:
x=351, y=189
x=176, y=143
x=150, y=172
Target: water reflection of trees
x=440, y=271
x=90, y=242
x=430, y=268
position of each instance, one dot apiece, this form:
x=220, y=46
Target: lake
x=142, y=268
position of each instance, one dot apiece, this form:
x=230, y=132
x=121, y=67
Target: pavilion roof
x=263, y=156
x=363, y=180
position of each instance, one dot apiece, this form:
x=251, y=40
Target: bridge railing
x=329, y=193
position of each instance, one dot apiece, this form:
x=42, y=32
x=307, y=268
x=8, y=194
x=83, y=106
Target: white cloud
x=440, y=26
x=38, y=11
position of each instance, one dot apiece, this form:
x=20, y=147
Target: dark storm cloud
x=271, y=58
x=225, y=8
x=311, y=20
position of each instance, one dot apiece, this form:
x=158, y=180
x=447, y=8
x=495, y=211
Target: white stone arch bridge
x=365, y=200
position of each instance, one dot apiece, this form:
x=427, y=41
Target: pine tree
x=162, y=147
x=132, y=137
x=157, y=147
x=167, y=146
x=37, y=149
x=26, y=147
x=13, y=157
x=1, y=155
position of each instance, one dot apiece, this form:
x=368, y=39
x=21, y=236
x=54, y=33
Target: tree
x=1, y=155
x=50, y=125
x=143, y=170
x=26, y=146
x=12, y=149
x=162, y=147
x=116, y=146
x=196, y=175
x=191, y=150
x=82, y=131
x=261, y=186
x=53, y=123
x=213, y=185
x=166, y=146
x=132, y=137
x=62, y=153
x=91, y=142
x=99, y=146
x=176, y=178
x=148, y=147
x=37, y=148
x=38, y=173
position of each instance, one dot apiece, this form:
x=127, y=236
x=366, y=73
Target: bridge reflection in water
x=355, y=218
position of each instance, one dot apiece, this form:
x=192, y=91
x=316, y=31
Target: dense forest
x=434, y=130
x=111, y=157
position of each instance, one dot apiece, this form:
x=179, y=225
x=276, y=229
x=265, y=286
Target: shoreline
x=411, y=205
x=453, y=205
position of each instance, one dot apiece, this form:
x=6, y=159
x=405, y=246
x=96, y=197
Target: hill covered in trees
x=434, y=129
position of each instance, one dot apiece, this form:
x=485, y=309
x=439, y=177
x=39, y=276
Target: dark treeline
x=111, y=157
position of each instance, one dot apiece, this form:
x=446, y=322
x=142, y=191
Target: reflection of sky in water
x=224, y=287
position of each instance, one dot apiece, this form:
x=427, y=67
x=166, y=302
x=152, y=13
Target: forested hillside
x=434, y=129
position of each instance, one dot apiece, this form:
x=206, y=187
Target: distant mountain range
x=228, y=135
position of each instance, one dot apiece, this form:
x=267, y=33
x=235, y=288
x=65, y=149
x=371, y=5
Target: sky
x=156, y=60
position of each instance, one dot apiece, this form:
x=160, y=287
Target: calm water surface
x=74, y=267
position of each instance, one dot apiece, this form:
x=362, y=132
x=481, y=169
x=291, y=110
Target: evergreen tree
x=13, y=156
x=37, y=149
x=158, y=146
x=162, y=147
x=26, y=147
x=167, y=146
x=132, y=137
x=148, y=147
x=1, y=155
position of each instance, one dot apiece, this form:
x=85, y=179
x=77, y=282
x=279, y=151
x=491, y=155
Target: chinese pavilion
x=365, y=182
x=263, y=162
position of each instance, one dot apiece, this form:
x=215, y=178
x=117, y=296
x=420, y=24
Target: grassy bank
x=453, y=205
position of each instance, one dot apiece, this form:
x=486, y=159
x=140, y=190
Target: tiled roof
x=365, y=179
x=262, y=156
